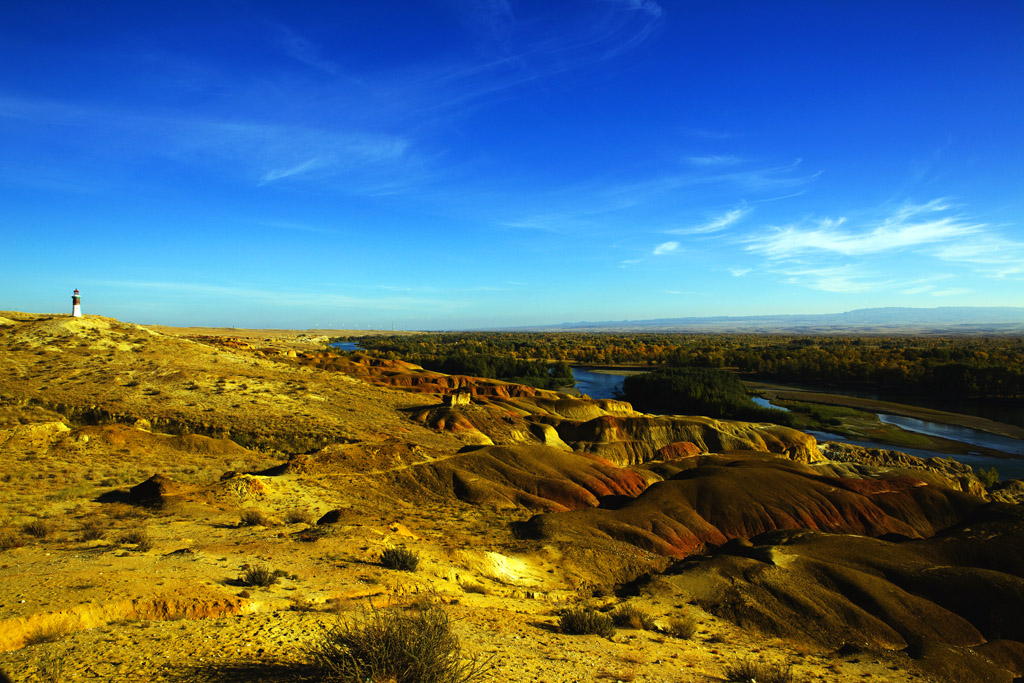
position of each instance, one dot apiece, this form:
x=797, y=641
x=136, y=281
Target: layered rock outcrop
x=723, y=498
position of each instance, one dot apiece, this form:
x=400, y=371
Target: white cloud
x=837, y=279
x=714, y=160
x=715, y=225
x=739, y=272
x=927, y=230
x=305, y=51
x=910, y=226
x=277, y=174
x=647, y=6
x=666, y=248
x=276, y=298
x=992, y=254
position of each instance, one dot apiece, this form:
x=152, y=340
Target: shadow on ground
x=248, y=671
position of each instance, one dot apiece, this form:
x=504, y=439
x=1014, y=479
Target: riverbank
x=855, y=418
x=774, y=392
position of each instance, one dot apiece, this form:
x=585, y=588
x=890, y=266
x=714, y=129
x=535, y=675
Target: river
x=597, y=384
x=605, y=385
x=1008, y=468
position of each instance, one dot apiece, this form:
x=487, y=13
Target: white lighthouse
x=76, y=305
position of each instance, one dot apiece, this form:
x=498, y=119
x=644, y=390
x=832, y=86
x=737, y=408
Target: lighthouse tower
x=76, y=305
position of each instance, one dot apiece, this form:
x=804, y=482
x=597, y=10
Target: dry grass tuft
x=399, y=558
x=39, y=528
x=92, y=530
x=47, y=633
x=138, y=538
x=682, y=627
x=630, y=616
x=259, y=575
x=298, y=517
x=254, y=518
x=394, y=645
x=586, y=620
x=9, y=539
x=749, y=671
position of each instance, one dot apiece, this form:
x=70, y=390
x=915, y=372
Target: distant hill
x=890, y=320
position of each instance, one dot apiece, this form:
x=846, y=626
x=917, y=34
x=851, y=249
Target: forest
x=936, y=366
x=697, y=391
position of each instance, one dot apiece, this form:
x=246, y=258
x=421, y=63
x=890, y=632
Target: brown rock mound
x=636, y=439
x=940, y=471
x=535, y=477
x=726, y=498
x=154, y=492
x=952, y=601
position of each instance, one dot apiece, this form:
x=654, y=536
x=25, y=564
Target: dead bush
x=390, y=645
x=630, y=616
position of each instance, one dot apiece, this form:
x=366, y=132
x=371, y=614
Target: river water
x=1008, y=468
x=603, y=385
x=974, y=437
x=597, y=384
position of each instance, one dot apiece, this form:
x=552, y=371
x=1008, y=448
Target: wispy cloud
x=837, y=279
x=739, y=272
x=490, y=22
x=305, y=51
x=256, y=152
x=666, y=248
x=714, y=160
x=911, y=226
x=835, y=255
x=586, y=203
x=277, y=174
x=716, y=224
x=992, y=254
x=648, y=7
x=281, y=298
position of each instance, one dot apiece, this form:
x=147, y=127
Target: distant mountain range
x=891, y=320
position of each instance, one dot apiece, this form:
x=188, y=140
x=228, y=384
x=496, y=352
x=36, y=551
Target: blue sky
x=458, y=164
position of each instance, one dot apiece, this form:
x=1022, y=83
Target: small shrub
x=989, y=477
x=124, y=511
x=259, y=575
x=254, y=518
x=394, y=645
x=312, y=534
x=682, y=627
x=40, y=528
x=399, y=558
x=471, y=586
x=10, y=540
x=749, y=671
x=630, y=616
x=300, y=603
x=47, y=633
x=140, y=539
x=584, y=620
x=298, y=517
x=92, y=530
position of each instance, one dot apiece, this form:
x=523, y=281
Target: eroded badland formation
x=131, y=457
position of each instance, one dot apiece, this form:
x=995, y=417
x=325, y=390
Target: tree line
x=937, y=366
